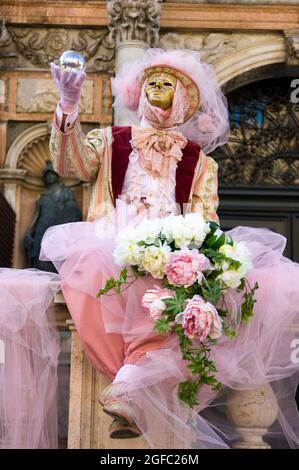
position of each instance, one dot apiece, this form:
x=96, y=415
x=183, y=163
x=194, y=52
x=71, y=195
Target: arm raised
x=73, y=153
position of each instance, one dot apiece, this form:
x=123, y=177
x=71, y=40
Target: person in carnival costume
x=156, y=167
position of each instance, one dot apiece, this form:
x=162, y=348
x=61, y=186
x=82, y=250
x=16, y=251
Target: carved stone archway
x=22, y=180
x=232, y=54
x=266, y=51
x=28, y=137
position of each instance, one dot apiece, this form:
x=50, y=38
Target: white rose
x=172, y=228
x=196, y=228
x=231, y=279
x=127, y=251
x=154, y=260
x=184, y=231
x=238, y=252
x=148, y=230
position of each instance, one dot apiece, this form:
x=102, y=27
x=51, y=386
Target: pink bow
x=158, y=149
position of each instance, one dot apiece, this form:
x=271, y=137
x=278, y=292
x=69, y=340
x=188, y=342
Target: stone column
x=3, y=138
x=133, y=27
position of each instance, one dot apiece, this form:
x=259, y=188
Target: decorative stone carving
x=97, y=48
x=24, y=139
x=292, y=44
x=239, y=2
x=134, y=20
x=40, y=47
x=2, y=93
x=214, y=46
x=8, y=56
x=232, y=54
x=37, y=95
x=27, y=46
x=211, y=45
x=35, y=155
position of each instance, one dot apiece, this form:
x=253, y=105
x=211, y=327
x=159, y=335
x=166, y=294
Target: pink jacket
x=89, y=157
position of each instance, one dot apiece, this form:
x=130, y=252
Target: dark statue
x=56, y=206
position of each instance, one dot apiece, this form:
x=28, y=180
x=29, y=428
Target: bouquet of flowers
x=198, y=266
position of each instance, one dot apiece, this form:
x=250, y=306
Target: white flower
x=149, y=230
x=127, y=250
x=185, y=231
x=157, y=308
x=238, y=252
x=196, y=228
x=231, y=279
x=154, y=260
x=172, y=228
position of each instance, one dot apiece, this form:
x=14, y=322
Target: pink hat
x=157, y=61
x=206, y=119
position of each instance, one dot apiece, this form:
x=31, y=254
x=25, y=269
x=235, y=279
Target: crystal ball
x=72, y=61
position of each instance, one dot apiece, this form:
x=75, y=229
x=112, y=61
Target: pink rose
x=185, y=267
x=153, y=303
x=200, y=319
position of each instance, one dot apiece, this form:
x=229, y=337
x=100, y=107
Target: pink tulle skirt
x=262, y=353
x=29, y=349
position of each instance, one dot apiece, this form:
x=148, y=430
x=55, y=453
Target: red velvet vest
x=121, y=150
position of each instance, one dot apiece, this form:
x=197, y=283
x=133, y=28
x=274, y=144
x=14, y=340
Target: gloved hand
x=69, y=85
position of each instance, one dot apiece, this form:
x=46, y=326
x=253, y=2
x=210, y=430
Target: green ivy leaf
x=188, y=392
x=123, y=275
x=247, y=306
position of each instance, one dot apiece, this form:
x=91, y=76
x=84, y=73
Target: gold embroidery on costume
x=205, y=193
x=89, y=159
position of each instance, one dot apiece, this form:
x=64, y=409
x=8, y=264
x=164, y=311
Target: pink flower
x=185, y=267
x=200, y=319
x=153, y=303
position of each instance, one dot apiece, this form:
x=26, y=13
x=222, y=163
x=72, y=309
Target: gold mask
x=159, y=90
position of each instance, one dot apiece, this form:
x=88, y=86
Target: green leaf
x=213, y=226
x=115, y=284
x=233, y=264
x=162, y=326
x=188, y=392
x=211, y=291
x=123, y=275
x=174, y=305
x=219, y=242
x=242, y=285
x=110, y=284
x=230, y=333
x=248, y=304
x=214, y=255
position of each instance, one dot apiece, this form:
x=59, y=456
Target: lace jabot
x=150, y=177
